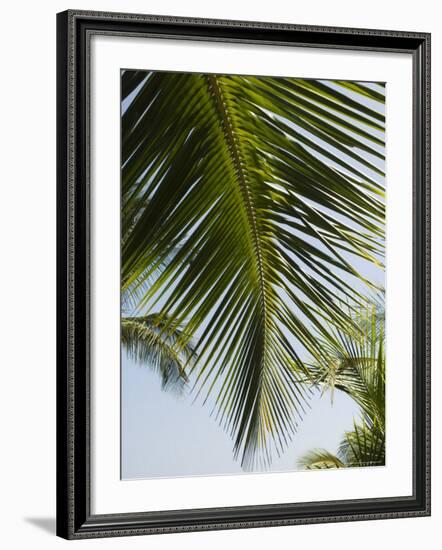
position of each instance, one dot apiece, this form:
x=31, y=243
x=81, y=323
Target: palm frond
x=320, y=459
x=355, y=362
x=356, y=366
x=144, y=341
x=364, y=446
x=265, y=188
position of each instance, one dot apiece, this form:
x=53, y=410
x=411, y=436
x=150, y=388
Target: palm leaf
x=144, y=341
x=364, y=446
x=355, y=363
x=255, y=193
x=320, y=459
x=356, y=366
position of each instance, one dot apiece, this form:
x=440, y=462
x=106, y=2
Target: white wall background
x=27, y=218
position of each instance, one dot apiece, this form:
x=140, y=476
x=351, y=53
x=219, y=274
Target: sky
x=165, y=435
x=168, y=436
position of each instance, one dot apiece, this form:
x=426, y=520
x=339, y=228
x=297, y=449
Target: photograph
x=243, y=273
x=253, y=216
x=235, y=248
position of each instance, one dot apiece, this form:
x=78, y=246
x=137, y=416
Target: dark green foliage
x=245, y=201
x=356, y=366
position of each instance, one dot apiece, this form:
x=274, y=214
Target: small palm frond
x=355, y=362
x=364, y=446
x=320, y=459
x=356, y=366
x=144, y=341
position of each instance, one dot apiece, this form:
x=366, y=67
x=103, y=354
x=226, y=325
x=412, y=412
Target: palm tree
x=356, y=366
x=243, y=197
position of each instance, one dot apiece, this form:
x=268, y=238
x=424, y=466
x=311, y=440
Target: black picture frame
x=74, y=518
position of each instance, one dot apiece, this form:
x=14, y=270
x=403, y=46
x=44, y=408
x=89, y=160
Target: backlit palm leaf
x=320, y=460
x=356, y=366
x=364, y=446
x=256, y=195
x=355, y=363
x=145, y=342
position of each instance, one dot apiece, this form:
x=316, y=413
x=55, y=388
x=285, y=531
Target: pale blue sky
x=165, y=435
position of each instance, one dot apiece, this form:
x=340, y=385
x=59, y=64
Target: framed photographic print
x=243, y=274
